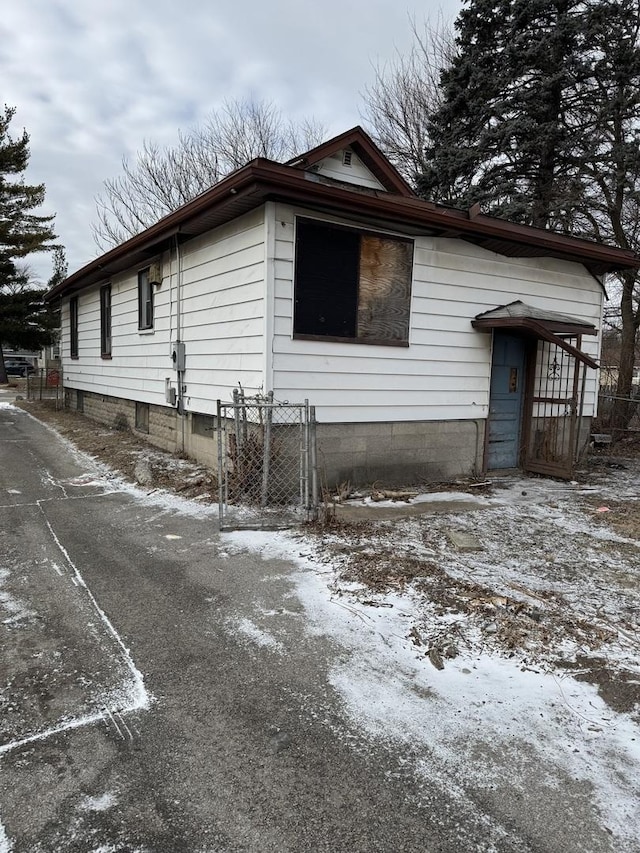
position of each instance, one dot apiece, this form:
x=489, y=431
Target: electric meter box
x=178, y=356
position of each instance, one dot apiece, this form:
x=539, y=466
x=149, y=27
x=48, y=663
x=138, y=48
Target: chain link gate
x=46, y=384
x=267, y=462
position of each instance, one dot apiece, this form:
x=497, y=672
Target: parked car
x=18, y=367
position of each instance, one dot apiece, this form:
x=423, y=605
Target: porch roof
x=546, y=325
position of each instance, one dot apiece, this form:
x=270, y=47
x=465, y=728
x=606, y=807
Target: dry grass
x=123, y=451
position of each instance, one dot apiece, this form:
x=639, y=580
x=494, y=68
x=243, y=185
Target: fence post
x=305, y=457
x=313, y=450
x=221, y=468
x=266, y=447
x=243, y=407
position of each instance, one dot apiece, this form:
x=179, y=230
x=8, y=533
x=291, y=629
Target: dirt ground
x=128, y=455
x=554, y=580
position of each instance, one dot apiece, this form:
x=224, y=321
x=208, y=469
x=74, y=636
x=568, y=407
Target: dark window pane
x=326, y=279
x=145, y=301
x=105, y=320
x=73, y=327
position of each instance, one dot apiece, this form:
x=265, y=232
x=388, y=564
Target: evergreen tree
x=540, y=124
x=26, y=320
x=22, y=231
x=503, y=135
x=610, y=160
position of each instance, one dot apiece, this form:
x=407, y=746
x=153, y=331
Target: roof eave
x=262, y=179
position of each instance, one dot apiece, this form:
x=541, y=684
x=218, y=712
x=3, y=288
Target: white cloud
x=92, y=81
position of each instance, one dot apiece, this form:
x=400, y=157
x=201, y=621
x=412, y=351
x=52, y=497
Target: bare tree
x=161, y=179
x=244, y=129
x=405, y=93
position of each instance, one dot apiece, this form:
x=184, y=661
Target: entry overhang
x=547, y=325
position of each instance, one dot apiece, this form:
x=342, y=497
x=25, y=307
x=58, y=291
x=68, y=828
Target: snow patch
x=257, y=636
x=99, y=804
x=17, y=610
x=5, y=844
x=481, y=711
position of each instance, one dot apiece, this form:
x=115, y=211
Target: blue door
x=505, y=402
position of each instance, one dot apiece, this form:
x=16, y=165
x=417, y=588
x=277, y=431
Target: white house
x=433, y=342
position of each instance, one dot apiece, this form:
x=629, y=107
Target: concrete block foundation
x=393, y=452
x=397, y=453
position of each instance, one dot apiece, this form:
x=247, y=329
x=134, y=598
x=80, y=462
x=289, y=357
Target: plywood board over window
x=384, y=288
x=351, y=285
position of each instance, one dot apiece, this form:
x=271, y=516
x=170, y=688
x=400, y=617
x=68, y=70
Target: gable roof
x=396, y=208
x=366, y=149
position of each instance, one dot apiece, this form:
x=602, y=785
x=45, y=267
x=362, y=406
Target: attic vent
x=346, y=157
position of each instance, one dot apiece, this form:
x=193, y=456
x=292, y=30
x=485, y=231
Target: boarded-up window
x=351, y=285
x=384, y=288
x=142, y=417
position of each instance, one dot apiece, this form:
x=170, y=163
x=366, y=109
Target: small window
x=351, y=285
x=145, y=300
x=73, y=327
x=80, y=401
x=105, y=321
x=142, y=417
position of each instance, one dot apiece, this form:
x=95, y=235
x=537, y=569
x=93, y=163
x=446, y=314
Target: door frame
x=526, y=352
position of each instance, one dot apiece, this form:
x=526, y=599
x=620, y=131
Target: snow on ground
x=99, y=804
x=502, y=699
x=551, y=585
x=18, y=611
x=5, y=845
x=247, y=628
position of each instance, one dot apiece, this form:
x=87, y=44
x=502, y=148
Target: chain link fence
x=45, y=383
x=267, y=462
x=607, y=400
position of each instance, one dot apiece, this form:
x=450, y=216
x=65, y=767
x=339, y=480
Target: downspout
x=269, y=294
x=180, y=367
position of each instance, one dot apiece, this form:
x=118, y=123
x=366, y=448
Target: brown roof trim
x=262, y=180
x=455, y=223
x=367, y=151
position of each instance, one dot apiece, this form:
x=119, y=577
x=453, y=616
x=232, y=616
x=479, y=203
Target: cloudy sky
x=92, y=80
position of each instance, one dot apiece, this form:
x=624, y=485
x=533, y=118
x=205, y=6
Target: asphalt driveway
x=220, y=747
x=134, y=719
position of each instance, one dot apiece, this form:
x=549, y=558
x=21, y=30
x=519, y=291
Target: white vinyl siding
x=223, y=298
x=445, y=371
x=139, y=362
x=228, y=279
x=356, y=173
x=222, y=324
